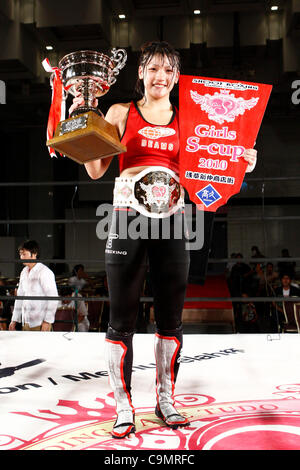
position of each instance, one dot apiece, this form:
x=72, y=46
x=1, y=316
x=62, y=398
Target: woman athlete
x=148, y=188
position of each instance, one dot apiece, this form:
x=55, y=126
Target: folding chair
x=290, y=324
x=64, y=319
x=297, y=315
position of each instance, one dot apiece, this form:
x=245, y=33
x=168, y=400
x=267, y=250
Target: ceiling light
x=49, y=48
x=274, y=7
x=122, y=17
x=197, y=12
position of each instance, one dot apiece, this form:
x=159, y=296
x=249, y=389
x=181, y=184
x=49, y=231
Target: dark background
x=242, y=40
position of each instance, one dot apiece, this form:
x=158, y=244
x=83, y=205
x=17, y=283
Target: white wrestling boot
x=167, y=349
x=118, y=356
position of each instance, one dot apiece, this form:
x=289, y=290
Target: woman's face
x=159, y=77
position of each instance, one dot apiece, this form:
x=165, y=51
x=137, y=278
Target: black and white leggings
x=162, y=248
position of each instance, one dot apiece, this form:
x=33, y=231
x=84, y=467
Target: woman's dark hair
x=149, y=50
x=32, y=246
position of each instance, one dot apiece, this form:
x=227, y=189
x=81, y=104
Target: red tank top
x=150, y=144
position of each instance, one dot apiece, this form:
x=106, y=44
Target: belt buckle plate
x=157, y=191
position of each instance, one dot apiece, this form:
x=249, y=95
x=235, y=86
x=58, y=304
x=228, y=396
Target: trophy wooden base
x=86, y=137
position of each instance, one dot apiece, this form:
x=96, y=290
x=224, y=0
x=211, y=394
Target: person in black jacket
x=286, y=290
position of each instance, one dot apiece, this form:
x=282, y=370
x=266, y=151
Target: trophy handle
x=119, y=57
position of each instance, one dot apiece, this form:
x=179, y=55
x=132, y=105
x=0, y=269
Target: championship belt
x=219, y=120
x=154, y=192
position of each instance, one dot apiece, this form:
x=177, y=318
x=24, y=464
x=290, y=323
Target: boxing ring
x=239, y=391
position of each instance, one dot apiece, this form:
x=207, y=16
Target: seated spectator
x=272, y=277
x=267, y=279
x=256, y=252
x=8, y=307
x=238, y=277
x=79, y=278
x=261, y=280
x=249, y=317
x=238, y=283
x=256, y=267
x=286, y=289
x=79, y=306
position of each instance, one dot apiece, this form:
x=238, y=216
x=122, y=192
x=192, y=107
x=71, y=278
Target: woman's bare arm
x=116, y=115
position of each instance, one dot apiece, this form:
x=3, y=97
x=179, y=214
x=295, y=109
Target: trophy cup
x=86, y=136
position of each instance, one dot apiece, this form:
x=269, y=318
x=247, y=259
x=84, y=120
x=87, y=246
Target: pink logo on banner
x=219, y=120
x=223, y=106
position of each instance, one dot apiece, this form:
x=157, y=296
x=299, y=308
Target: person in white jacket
x=37, y=280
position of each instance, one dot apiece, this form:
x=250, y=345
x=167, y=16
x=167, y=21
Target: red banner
x=219, y=119
x=57, y=108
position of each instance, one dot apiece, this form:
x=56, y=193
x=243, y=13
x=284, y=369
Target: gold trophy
x=86, y=136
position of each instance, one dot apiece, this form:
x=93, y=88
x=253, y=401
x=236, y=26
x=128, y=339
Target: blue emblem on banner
x=208, y=195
